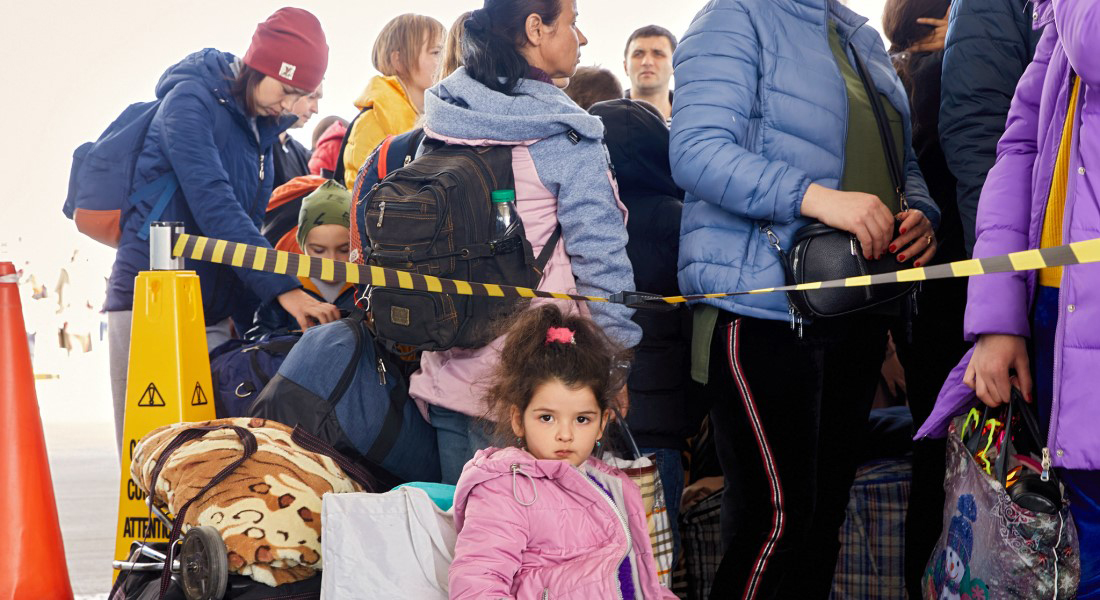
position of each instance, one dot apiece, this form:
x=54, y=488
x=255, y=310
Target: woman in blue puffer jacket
x=772, y=129
x=218, y=119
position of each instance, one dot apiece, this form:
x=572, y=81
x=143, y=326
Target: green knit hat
x=329, y=204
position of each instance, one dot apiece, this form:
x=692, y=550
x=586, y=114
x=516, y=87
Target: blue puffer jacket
x=225, y=173
x=989, y=44
x=760, y=113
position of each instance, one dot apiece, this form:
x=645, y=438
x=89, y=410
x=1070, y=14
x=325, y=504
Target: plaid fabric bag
x=701, y=539
x=871, y=563
x=642, y=470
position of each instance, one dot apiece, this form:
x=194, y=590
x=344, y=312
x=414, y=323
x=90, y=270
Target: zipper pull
x=1046, y=465
x=262, y=157
x=381, y=372
x=852, y=243
x=790, y=316
x=381, y=213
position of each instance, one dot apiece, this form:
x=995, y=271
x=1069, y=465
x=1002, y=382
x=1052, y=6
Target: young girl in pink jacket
x=546, y=519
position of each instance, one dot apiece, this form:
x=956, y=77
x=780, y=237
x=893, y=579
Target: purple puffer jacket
x=1010, y=218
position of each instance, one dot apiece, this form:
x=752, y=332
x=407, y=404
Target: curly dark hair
x=527, y=361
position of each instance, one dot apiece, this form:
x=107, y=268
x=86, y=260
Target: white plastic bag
x=393, y=545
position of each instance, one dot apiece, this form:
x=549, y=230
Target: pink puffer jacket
x=531, y=528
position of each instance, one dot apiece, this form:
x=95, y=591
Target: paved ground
x=77, y=419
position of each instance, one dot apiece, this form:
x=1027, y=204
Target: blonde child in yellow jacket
x=406, y=54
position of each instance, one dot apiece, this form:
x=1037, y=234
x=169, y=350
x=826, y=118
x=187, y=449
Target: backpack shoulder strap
x=414, y=144
x=166, y=186
x=415, y=137
x=548, y=250
x=340, y=171
x=383, y=153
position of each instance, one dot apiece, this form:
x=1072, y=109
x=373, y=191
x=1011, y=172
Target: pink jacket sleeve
x=1078, y=23
x=490, y=544
x=998, y=303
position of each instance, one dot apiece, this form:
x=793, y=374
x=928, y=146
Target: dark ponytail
x=494, y=35
x=899, y=23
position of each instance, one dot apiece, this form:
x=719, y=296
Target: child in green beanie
x=324, y=231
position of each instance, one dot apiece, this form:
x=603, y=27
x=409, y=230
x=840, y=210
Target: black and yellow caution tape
x=289, y=263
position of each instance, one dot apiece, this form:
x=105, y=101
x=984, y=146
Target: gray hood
x=460, y=107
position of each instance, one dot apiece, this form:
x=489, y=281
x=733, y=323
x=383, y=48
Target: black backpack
x=433, y=216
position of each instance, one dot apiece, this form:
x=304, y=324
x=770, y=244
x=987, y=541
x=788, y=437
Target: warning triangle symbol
x=151, y=397
x=198, y=397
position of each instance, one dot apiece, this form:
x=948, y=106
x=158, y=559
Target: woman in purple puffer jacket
x=1044, y=191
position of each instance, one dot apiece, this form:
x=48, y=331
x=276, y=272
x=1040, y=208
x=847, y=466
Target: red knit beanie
x=290, y=46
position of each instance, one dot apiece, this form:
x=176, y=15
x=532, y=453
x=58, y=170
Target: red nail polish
x=893, y=248
x=902, y=230
x=901, y=258
x=916, y=264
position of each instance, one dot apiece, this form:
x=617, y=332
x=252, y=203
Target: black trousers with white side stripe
x=789, y=418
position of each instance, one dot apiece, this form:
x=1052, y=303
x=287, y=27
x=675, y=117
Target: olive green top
x=865, y=166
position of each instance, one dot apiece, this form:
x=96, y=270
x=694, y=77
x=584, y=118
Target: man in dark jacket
x=665, y=409
x=989, y=44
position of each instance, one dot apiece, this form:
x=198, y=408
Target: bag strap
x=1018, y=406
x=355, y=323
x=410, y=152
x=340, y=171
x=414, y=144
x=626, y=432
x=548, y=250
x=383, y=152
x=167, y=185
x=248, y=442
x=886, y=136
x=313, y=443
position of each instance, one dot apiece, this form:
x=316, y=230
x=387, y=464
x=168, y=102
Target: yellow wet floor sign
x=168, y=382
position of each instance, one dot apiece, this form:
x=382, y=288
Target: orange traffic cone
x=33, y=565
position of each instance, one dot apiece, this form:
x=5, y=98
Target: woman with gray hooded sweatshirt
x=504, y=96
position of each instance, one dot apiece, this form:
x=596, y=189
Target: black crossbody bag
x=822, y=253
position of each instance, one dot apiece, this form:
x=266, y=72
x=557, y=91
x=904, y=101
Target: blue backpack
x=103, y=174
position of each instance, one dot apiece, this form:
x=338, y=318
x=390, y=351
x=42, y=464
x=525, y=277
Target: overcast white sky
x=71, y=66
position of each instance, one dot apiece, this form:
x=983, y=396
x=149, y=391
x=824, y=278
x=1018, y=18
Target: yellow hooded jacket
x=390, y=113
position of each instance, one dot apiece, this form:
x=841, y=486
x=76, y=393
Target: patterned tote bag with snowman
x=1007, y=531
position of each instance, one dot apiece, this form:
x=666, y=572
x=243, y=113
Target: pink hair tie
x=560, y=335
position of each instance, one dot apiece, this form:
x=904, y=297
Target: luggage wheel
x=204, y=564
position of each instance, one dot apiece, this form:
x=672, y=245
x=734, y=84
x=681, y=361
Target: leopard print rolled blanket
x=268, y=510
